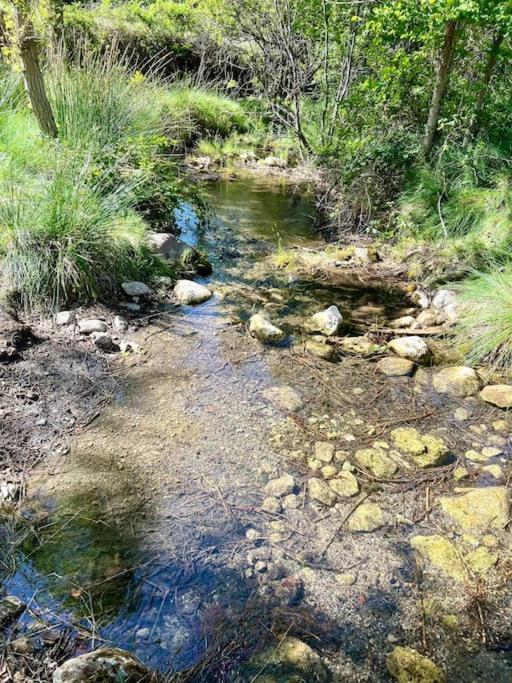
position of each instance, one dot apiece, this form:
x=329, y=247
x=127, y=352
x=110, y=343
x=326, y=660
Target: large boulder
x=108, y=665
x=327, y=322
x=499, y=395
x=170, y=247
x=188, y=292
x=459, y=382
x=412, y=348
x=408, y=666
x=264, y=330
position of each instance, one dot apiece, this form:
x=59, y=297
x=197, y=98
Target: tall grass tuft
x=484, y=330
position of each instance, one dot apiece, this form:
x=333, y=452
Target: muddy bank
x=234, y=494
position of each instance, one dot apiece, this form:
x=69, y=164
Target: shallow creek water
x=145, y=548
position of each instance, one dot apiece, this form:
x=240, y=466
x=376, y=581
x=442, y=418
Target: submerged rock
x=264, y=330
x=366, y=518
x=499, y=395
x=478, y=509
x=318, y=347
x=105, y=665
x=426, y=450
x=280, y=487
x=344, y=485
x=10, y=608
x=91, y=325
x=395, y=367
x=188, y=292
x=136, y=289
x=285, y=398
x=459, y=382
x=324, y=451
x=409, y=666
x=320, y=492
x=359, y=345
x=377, y=461
x=442, y=554
x=291, y=660
x=327, y=322
x=412, y=348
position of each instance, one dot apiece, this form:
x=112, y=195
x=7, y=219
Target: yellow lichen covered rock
x=442, y=554
x=426, y=450
x=377, y=461
x=409, y=666
x=478, y=509
x=291, y=660
x=480, y=560
x=368, y=517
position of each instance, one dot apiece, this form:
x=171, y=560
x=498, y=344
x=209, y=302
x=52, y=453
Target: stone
x=376, y=461
x=285, y=398
x=102, y=340
x=459, y=382
x=478, y=509
x=329, y=471
x=136, y=289
x=275, y=162
x=359, y=346
x=345, y=485
x=395, y=367
x=499, y=395
x=408, y=666
x=366, y=518
x=65, y=318
x=500, y=425
x=264, y=330
x=429, y=318
x=271, y=505
x=317, y=347
x=460, y=473
x=327, y=322
x=291, y=660
x=443, y=298
x=324, y=451
x=170, y=247
x=412, y=348
x=346, y=579
x=442, y=554
x=420, y=298
x=491, y=452
x=425, y=449
x=119, y=324
x=291, y=502
x=320, y=492
x=10, y=608
x=92, y=325
x=106, y=665
x=401, y=323
x=280, y=487
x=461, y=414
x=260, y=567
x=480, y=560
x=190, y=293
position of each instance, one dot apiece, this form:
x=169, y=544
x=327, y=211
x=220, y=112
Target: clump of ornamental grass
x=484, y=330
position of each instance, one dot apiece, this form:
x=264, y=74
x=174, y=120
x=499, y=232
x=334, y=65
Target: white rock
x=92, y=325
x=420, y=298
x=264, y=330
x=136, y=289
x=327, y=322
x=443, y=298
x=404, y=321
x=189, y=292
x=412, y=348
x=278, y=488
x=119, y=324
x=65, y=318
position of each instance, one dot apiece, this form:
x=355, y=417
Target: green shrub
x=484, y=330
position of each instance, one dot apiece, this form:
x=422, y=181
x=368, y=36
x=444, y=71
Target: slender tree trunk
x=492, y=58
x=443, y=74
x=34, y=83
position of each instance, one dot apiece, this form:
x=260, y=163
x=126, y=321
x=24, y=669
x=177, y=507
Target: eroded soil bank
x=232, y=495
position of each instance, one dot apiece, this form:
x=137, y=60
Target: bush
x=484, y=331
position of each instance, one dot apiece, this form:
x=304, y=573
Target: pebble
x=271, y=505
x=324, y=451
x=291, y=502
x=277, y=488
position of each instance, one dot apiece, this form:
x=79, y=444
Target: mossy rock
x=408, y=666
x=478, y=509
x=292, y=660
x=442, y=554
x=426, y=450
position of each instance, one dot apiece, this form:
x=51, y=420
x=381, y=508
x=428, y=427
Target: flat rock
x=366, y=518
x=285, y=398
x=318, y=347
x=321, y=492
x=188, y=292
x=105, y=665
x=441, y=554
x=408, y=666
x=135, y=288
x=499, y=395
x=426, y=450
x=395, y=367
x=280, y=487
x=359, y=346
x=65, y=317
x=402, y=322
x=327, y=322
x=413, y=348
x=478, y=509
x=377, y=461
x=261, y=328
x=459, y=382
x=91, y=325
x=344, y=485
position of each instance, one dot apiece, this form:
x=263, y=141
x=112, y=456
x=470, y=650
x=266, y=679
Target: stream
x=146, y=546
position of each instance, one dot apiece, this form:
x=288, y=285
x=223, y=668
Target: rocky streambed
x=288, y=481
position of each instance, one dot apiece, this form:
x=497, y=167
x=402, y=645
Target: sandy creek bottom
x=146, y=549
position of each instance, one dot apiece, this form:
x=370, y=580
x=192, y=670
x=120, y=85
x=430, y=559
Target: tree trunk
x=443, y=74
x=492, y=58
x=34, y=83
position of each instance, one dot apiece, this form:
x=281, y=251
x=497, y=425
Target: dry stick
x=344, y=521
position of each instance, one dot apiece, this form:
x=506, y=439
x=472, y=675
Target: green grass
x=484, y=330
